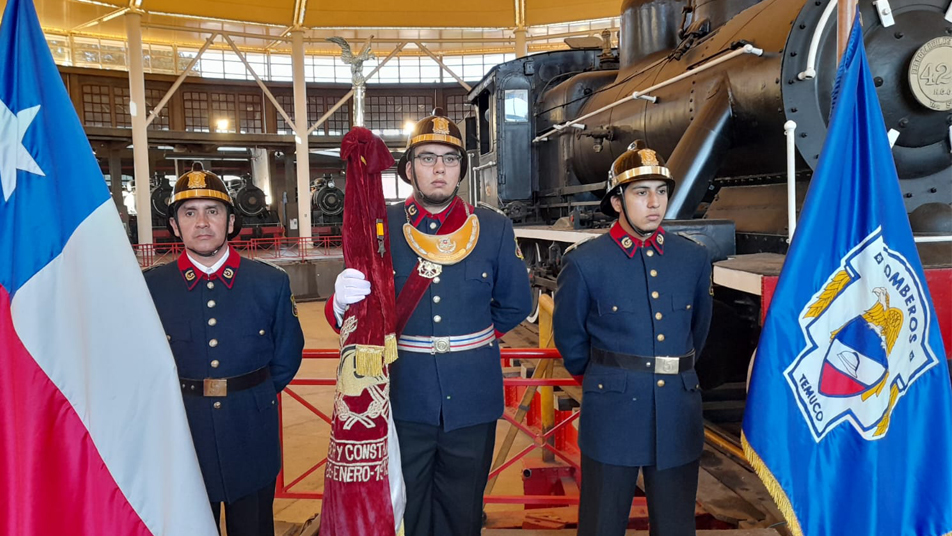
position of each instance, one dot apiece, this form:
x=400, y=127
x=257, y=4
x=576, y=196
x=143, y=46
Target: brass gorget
x=444, y=249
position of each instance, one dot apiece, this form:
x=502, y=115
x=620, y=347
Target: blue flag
x=849, y=414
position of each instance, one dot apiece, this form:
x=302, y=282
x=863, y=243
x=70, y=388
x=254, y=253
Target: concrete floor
x=306, y=436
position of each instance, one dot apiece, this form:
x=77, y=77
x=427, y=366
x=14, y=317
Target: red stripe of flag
x=52, y=478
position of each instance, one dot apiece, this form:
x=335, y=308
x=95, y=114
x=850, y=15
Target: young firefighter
x=632, y=311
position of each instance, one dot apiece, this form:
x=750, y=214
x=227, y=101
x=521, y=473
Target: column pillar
x=140, y=137
x=522, y=47
x=303, y=165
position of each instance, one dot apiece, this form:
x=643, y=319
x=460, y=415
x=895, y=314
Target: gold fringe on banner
x=369, y=360
x=390, y=348
x=773, y=487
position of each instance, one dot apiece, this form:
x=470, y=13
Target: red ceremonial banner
x=363, y=485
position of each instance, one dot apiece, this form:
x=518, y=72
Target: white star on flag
x=13, y=155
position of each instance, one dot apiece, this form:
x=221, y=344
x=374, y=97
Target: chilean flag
x=93, y=436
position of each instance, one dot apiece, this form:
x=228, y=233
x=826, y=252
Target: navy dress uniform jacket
x=248, y=311
x=490, y=287
x=648, y=299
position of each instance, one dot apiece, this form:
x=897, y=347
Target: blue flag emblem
x=860, y=360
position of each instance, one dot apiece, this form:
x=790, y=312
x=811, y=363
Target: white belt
x=442, y=345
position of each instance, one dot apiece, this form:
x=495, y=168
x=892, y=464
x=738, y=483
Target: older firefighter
x=632, y=313
x=461, y=282
x=233, y=328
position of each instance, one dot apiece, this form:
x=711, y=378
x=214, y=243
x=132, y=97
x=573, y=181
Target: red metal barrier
x=256, y=248
x=540, y=440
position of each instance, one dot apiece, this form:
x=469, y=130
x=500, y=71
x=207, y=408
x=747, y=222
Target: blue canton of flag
x=849, y=414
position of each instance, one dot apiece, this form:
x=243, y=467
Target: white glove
x=351, y=287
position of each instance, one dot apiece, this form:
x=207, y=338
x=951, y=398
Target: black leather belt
x=218, y=387
x=658, y=364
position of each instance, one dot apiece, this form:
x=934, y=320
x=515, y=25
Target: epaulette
x=487, y=206
x=690, y=237
x=269, y=263
x=579, y=244
x=149, y=268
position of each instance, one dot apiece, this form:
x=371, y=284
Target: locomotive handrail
x=491, y=163
x=645, y=94
x=810, y=72
x=789, y=130
x=942, y=238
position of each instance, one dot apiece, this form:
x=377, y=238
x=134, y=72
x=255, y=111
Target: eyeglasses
x=449, y=159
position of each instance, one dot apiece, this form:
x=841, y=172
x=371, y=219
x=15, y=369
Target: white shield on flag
x=866, y=333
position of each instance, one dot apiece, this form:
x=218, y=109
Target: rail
x=789, y=130
x=276, y=248
x=810, y=72
x=540, y=440
x=645, y=94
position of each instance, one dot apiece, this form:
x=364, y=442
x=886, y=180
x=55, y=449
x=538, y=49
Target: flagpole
x=846, y=10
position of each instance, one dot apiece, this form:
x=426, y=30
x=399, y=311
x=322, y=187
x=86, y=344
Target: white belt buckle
x=441, y=345
x=666, y=365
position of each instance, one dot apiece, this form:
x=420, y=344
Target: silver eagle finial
x=356, y=62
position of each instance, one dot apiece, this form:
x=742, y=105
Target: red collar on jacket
x=448, y=220
x=629, y=244
x=226, y=273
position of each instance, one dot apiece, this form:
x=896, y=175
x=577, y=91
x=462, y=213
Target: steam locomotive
x=710, y=84
x=327, y=207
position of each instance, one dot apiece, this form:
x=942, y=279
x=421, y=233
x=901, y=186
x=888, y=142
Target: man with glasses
x=461, y=283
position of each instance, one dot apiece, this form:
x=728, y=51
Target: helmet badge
x=441, y=125
x=196, y=179
x=648, y=157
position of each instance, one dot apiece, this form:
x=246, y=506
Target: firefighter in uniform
x=632, y=312
x=233, y=328
x=461, y=282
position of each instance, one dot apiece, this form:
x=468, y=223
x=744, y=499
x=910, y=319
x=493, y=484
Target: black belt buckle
x=215, y=387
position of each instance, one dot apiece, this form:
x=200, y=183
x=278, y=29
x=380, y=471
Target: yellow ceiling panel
x=280, y=12
x=410, y=19
x=555, y=11
x=416, y=14
x=63, y=15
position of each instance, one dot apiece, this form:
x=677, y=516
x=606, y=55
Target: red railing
x=540, y=440
x=257, y=248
